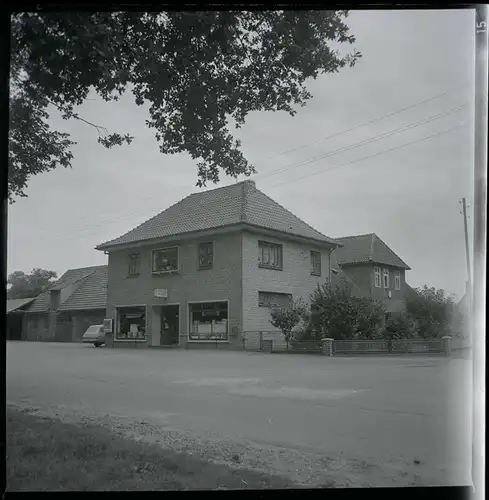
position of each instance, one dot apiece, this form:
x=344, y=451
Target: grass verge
x=48, y=455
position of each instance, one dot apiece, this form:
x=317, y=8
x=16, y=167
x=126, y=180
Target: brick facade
x=220, y=283
x=235, y=277
x=364, y=276
x=295, y=278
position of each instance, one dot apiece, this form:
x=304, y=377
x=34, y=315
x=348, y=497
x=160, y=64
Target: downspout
x=329, y=258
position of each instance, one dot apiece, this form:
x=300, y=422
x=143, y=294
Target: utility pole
x=467, y=252
x=478, y=324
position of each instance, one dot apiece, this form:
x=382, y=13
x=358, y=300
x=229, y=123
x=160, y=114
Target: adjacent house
x=64, y=312
x=205, y=269
x=15, y=317
x=374, y=268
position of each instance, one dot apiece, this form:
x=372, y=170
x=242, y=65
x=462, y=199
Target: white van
x=94, y=335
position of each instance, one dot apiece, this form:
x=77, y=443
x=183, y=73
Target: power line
x=365, y=141
x=388, y=115
x=367, y=157
x=311, y=160
x=330, y=168
x=305, y=162
x=341, y=132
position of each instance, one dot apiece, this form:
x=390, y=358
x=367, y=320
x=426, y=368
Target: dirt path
x=306, y=469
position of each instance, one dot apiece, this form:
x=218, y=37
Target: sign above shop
x=161, y=293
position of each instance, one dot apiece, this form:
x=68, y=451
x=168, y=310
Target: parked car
x=94, y=335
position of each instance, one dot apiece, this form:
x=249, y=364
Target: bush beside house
x=335, y=312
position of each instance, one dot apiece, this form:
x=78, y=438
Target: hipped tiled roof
x=240, y=203
x=367, y=248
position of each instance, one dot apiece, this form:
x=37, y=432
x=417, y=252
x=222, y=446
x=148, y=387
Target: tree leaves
x=197, y=70
x=22, y=286
x=431, y=310
x=287, y=318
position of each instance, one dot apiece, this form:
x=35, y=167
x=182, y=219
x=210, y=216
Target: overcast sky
x=408, y=196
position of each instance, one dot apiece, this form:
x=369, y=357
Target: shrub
x=342, y=316
x=288, y=318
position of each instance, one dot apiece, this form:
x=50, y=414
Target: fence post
x=260, y=339
x=327, y=347
x=447, y=345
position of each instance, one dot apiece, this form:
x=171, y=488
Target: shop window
x=131, y=323
x=209, y=321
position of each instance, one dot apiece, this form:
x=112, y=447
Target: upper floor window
x=397, y=280
x=274, y=299
x=269, y=255
x=386, y=278
x=165, y=260
x=133, y=264
x=378, y=283
x=206, y=255
x=315, y=263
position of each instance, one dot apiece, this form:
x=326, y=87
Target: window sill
x=174, y=271
x=316, y=274
x=265, y=266
x=204, y=268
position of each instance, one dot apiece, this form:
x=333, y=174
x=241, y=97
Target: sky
x=400, y=177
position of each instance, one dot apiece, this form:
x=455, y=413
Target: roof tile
x=13, y=304
x=42, y=301
x=240, y=203
x=91, y=294
x=367, y=248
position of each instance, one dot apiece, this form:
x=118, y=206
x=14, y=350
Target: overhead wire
x=367, y=157
x=307, y=161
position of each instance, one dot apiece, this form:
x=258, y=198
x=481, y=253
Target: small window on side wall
x=206, y=255
x=270, y=255
x=397, y=280
x=134, y=260
x=315, y=263
x=378, y=283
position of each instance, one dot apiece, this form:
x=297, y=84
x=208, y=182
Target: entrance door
x=170, y=320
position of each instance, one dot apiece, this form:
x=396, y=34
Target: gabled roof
x=338, y=274
x=72, y=276
x=367, y=248
x=14, y=304
x=42, y=301
x=39, y=304
x=91, y=294
x=240, y=203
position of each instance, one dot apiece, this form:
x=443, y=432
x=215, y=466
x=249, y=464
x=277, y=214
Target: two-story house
x=377, y=270
x=205, y=269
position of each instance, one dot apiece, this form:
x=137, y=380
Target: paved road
x=374, y=409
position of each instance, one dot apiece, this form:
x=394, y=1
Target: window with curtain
x=270, y=255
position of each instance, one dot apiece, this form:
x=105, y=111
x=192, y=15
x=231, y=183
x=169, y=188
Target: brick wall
x=364, y=276
x=222, y=282
x=295, y=278
x=36, y=327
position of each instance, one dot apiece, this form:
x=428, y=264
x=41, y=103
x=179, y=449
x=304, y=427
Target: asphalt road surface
x=390, y=410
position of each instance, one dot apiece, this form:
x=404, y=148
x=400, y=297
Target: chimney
x=54, y=299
